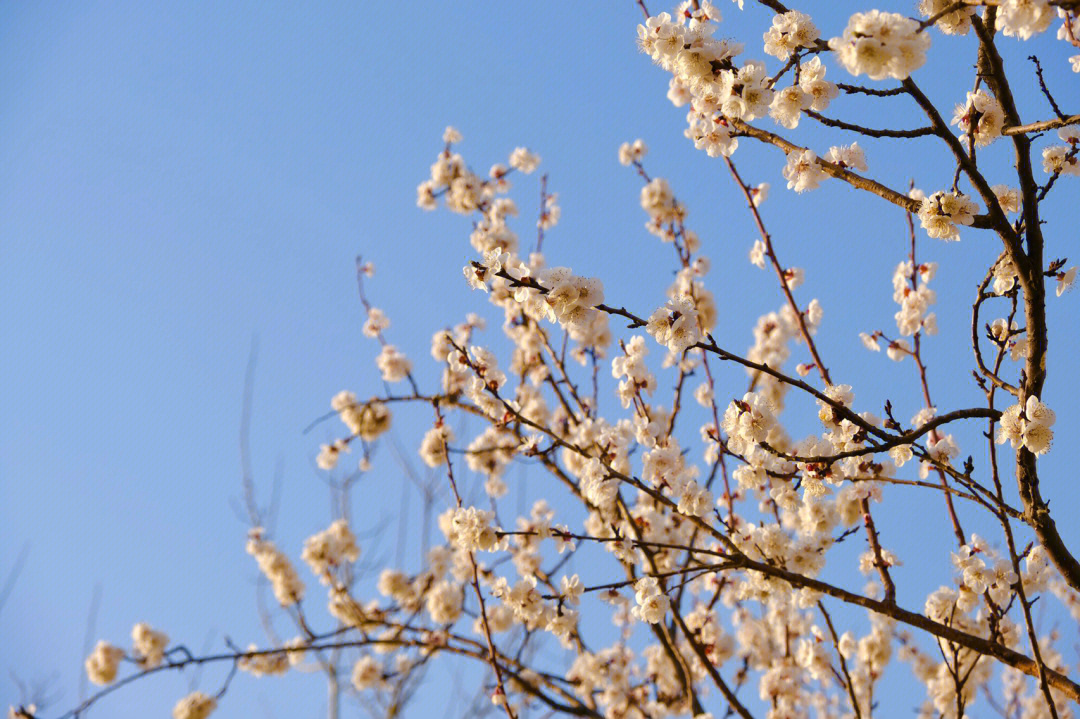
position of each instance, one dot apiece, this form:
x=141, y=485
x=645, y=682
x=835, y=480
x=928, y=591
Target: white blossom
x=103, y=662
x=1028, y=425
x=393, y=364
x=149, y=644
x=1065, y=281
x=847, y=156
x=330, y=549
x=522, y=159
x=675, y=325
x=276, y=567
x=1024, y=18
x=195, y=705
x=803, y=172
x=652, y=603
x=366, y=673
x=630, y=153
x=471, y=529
x=941, y=212
x=881, y=45
x=981, y=117
x=956, y=22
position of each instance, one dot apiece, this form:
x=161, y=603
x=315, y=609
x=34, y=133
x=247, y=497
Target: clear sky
x=179, y=182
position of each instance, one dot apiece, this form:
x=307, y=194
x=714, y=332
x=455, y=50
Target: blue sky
x=178, y=182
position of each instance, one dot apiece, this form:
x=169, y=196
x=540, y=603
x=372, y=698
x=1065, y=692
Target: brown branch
x=950, y=634
x=1021, y=593
x=982, y=297
x=500, y=688
x=996, y=218
x=868, y=131
x=770, y=252
x=1030, y=271
x=711, y=346
x=952, y=7
x=843, y=662
x=903, y=439
x=840, y=173
x=733, y=702
x=1044, y=88
x=872, y=91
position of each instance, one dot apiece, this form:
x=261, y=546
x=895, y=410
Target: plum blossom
x=1024, y=18
x=675, y=325
x=103, y=662
x=981, y=117
x=195, y=705
x=881, y=44
x=803, y=171
x=652, y=603
x=941, y=212
x=522, y=159
x=956, y=22
x=789, y=32
x=1027, y=425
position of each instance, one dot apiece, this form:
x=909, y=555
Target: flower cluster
x=1024, y=18
x=366, y=673
x=330, y=549
x=149, y=648
x=705, y=74
x=748, y=422
x=803, y=171
x=103, y=662
x=980, y=118
x=149, y=645
x=982, y=571
x=954, y=22
x=632, y=371
x=276, y=567
x=881, y=44
x=652, y=604
x=433, y=446
x=675, y=325
x=263, y=664
x=195, y=705
x=471, y=529
x=789, y=32
x=912, y=292
x=522, y=159
x=941, y=212
x=629, y=153
x=376, y=323
x=329, y=454
x=1027, y=425
x=393, y=364
x=658, y=200
x=272, y=663
x=1062, y=159
x=570, y=300
x=367, y=421
x=1008, y=334
x=847, y=156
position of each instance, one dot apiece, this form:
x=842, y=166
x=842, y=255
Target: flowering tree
x=713, y=573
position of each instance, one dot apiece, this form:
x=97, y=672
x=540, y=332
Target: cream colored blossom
x=103, y=662
x=881, y=45
x=149, y=644
x=195, y=705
